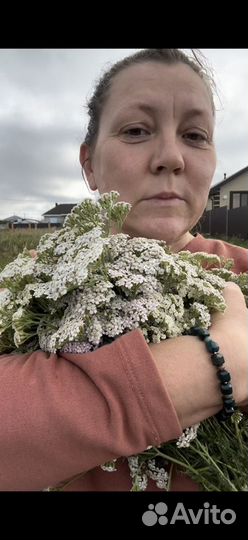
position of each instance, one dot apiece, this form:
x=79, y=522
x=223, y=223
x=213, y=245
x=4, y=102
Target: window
x=238, y=198
x=244, y=199
x=215, y=198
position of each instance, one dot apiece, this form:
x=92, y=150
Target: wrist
x=234, y=346
x=224, y=377
x=190, y=379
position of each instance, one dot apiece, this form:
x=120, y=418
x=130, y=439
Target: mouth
x=165, y=196
x=172, y=201
x=165, y=199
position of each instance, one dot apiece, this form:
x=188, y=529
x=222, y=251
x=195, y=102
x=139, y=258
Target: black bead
x=201, y=332
x=229, y=404
x=228, y=401
x=230, y=396
x=217, y=359
x=229, y=410
x=224, y=375
x=212, y=347
x=226, y=389
x=222, y=416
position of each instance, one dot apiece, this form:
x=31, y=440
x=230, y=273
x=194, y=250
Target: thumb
x=232, y=291
x=235, y=305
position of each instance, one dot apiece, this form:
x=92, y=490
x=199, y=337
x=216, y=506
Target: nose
x=167, y=155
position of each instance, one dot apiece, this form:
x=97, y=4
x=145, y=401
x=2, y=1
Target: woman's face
x=156, y=137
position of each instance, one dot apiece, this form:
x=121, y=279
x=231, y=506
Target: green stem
x=194, y=471
x=176, y=461
x=237, y=432
x=61, y=486
x=205, y=452
x=170, y=477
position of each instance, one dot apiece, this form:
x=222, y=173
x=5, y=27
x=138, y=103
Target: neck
x=182, y=242
x=175, y=246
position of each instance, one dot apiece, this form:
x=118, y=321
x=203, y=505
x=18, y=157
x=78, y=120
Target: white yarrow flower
x=189, y=434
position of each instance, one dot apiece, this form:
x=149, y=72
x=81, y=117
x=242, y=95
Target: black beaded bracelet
x=229, y=404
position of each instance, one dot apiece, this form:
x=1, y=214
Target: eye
x=135, y=132
x=196, y=137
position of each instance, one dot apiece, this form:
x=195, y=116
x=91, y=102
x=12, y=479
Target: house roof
x=226, y=180
x=12, y=219
x=30, y=220
x=60, y=210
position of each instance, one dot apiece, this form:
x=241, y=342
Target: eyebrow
x=142, y=106
x=195, y=112
x=190, y=113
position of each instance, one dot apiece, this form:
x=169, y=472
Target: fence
x=219, y=221
x=35, y=226
x=226, y=222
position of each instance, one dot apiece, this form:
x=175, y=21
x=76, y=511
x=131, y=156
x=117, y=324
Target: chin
x=169, y=234
x=169, y=230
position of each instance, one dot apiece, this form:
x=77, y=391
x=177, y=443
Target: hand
x=186, y=370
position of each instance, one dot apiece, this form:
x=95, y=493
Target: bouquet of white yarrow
x=87, y=286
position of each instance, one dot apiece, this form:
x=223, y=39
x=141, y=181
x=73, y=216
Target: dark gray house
x=58, y=213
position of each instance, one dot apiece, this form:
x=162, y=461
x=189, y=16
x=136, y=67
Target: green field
x=13, y=242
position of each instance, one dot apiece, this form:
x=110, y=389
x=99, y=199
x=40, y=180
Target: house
x=7, y=222
x=58, y=213
x=231, y=192
x=12, y=219
x=14, y=222
x=226, y=211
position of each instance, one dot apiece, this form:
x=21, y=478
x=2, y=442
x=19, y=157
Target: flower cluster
x=141, y=471
x=87, y=286
x=188, y=435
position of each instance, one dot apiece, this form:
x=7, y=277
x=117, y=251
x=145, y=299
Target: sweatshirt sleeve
x=65, y=414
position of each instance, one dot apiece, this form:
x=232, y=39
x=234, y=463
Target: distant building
x=11, y=219
x=58, y=213
x=17, y=222
x=226, y=211
x=231, y=192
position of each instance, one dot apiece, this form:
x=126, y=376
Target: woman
x=150, y=137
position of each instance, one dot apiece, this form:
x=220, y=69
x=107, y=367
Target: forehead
x=156, y=83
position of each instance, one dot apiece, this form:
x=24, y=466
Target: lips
x=165, y=195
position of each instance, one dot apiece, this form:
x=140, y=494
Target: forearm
x=186, y=369
x=63, y=415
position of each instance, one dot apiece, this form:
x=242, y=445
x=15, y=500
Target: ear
x=86, y=163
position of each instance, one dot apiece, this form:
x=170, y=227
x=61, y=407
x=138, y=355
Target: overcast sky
x=43, y=118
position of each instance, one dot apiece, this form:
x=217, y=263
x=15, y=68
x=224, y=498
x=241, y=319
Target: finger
x=234, y=298
x=235, y=306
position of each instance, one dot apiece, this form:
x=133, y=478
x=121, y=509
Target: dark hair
x=167, y=56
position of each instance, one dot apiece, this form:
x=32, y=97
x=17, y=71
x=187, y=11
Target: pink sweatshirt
x=65, y=415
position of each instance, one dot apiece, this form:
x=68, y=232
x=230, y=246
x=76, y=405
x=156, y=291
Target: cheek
x=199, y=196
x=202, y=176
x=199, y=186
x=114, y=171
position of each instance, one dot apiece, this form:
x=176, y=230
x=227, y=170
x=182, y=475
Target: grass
x=13, y=242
